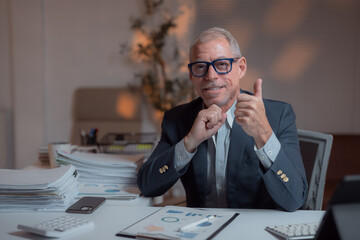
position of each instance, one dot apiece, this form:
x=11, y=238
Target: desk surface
x=110, y=218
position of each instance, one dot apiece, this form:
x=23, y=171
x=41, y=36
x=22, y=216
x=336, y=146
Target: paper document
x=40, y=178
x=109, y=191
x=172, y=222
x=103, y=168
x=103, y=159
x=40, y=190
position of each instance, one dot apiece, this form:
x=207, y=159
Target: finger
x=244, y=97
x=242, y=113
x=242, y=120
x=213, y=116
x=244, y=105
x=215, y=121
x=215, y=108
x=223, y=117
x=211, y=123
x=258, y=88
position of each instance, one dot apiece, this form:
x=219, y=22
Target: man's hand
x=250, y=114
x=207, y=123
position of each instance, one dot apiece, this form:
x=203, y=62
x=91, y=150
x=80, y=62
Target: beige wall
x=50, y=48
x=23, y=84
x=56, y=47
x=5, y=86
x=307, y=53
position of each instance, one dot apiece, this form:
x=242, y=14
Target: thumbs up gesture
x=250, y=115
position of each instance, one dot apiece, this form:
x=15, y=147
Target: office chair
x=315, y=148
x=111, y=110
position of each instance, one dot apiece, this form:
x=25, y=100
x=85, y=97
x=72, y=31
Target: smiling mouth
x=212, y=88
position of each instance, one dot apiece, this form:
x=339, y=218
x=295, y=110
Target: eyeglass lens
x=221, y=66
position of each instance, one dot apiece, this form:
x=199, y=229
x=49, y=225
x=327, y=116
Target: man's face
x=214, y=88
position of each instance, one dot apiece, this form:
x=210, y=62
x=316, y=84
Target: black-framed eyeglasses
x=221, y=66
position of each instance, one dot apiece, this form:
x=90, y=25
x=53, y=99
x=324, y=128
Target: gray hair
x=217, y=32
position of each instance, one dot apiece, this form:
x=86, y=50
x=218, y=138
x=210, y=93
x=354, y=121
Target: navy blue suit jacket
x=248, y=184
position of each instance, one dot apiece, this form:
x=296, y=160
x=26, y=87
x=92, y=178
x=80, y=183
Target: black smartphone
x=86, y=205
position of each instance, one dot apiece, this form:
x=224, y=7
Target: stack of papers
x=101, y=168
x=41, y=190
x=109, y=191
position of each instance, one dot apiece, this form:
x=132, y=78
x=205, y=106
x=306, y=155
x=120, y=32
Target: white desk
x=110, y=218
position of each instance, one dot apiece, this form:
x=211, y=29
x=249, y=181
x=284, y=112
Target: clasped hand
x=207, y=123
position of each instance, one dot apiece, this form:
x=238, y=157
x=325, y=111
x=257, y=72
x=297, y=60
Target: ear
x=242, y=65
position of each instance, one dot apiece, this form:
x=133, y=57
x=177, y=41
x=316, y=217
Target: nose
x=211, y=75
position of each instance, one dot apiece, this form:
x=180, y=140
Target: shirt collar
x=230, y=115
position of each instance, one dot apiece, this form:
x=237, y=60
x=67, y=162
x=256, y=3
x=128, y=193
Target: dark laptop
x=342, y=217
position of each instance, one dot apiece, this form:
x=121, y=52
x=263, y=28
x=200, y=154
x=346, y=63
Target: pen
x=207, y=219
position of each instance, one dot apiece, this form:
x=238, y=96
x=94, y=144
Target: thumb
x=258, y=88
x=223, y=117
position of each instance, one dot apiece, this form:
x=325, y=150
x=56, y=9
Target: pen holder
x=89, y=139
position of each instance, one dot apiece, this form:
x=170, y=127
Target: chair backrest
x=315, y=148
x=110, y=109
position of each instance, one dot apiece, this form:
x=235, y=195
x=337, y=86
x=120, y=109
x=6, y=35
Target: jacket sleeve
x=158, y=173
x=286, y=179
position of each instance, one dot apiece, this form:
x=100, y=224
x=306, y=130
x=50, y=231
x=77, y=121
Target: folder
x=167, y=224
